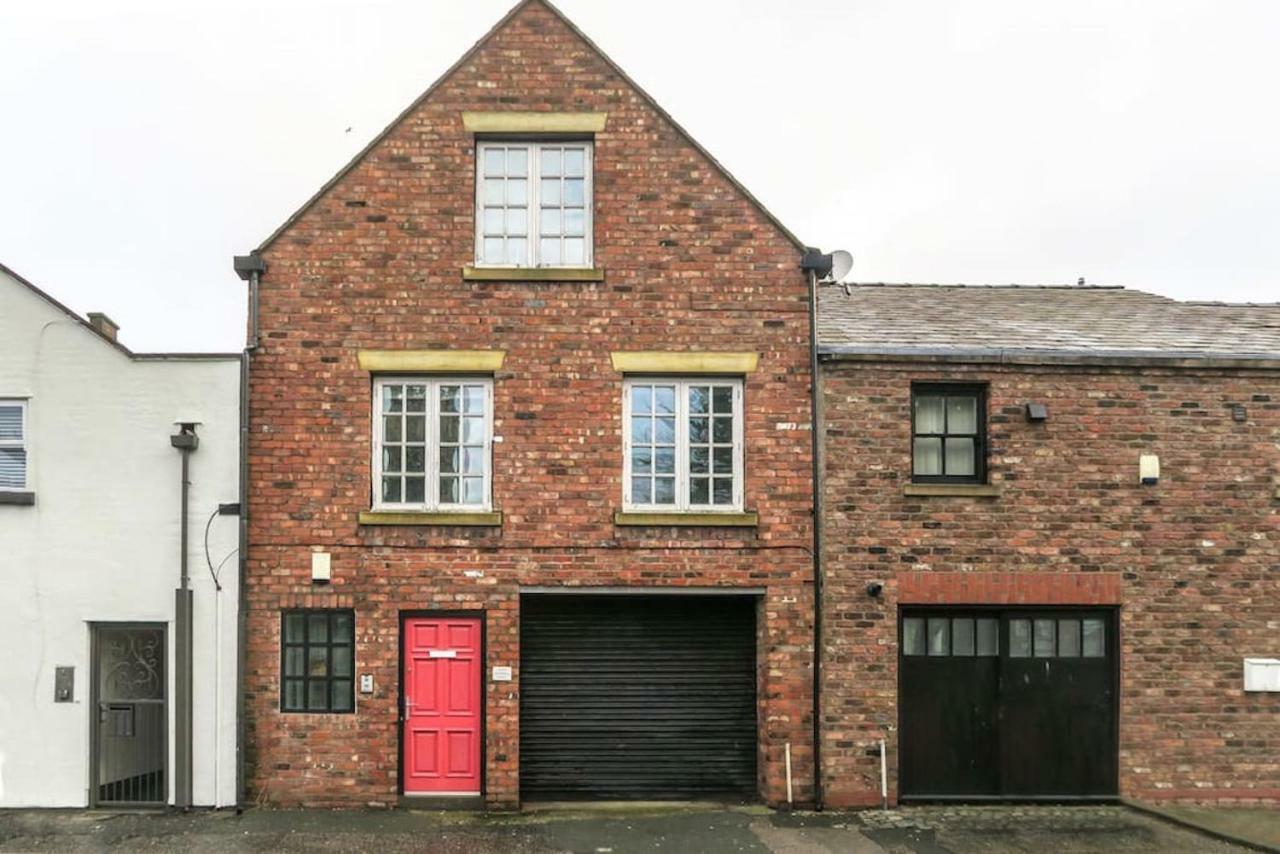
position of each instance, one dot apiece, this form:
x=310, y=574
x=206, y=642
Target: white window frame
x=682, y=503
x=431, y=441
x=23, y=443
x=534, y=177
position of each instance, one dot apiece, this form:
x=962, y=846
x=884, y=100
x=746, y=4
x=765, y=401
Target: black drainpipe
x=186, y=441
x=816, y=265
x=250, y=269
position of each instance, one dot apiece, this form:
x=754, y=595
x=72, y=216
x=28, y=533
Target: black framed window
x=948, y=434
x=317, y=661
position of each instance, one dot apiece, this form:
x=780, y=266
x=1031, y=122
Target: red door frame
x=479, y=615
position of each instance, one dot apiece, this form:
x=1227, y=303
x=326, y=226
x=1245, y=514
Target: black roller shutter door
x=637, y=697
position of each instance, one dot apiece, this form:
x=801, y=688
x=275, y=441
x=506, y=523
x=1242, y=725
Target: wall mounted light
x=320, y=568
x=1148, y=469
x=1239, y=413
x=1037, y=412
x=874, y=589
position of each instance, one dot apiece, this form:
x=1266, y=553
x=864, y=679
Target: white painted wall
x=102, y=542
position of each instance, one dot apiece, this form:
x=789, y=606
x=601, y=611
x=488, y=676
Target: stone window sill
x=533, y=274
x=960, y=490
x=687, y=520
x=20, y=499
x=484, y=519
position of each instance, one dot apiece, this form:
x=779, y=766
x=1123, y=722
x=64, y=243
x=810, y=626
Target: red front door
x=442, y=668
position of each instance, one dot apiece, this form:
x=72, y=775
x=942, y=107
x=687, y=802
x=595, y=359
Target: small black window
x=317, y=652
x=948, y=425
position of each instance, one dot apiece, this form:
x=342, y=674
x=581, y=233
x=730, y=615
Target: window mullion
x=739, y=451
x=431, y=494
x=533, y=256
x=682, y=445
x=626, y=444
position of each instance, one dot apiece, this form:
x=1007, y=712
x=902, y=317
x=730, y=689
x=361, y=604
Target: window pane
x=473, y=490
x=415, y=490
x=722, y=490
x=415, y=428
x=699, y=400
x=988, y=636
x=341, y=695
x=293, y=694
x=416, y=459
x=318, y=695
x=449, y=460
x=449, y=490
x=493, y=250
x=550, y=192
x=295, y=661
x=517, y=250
x=699, y=431
x=927, y=459
x=699, y=490
x=517, y=161
x=549, y=222
x=549, y=251
x=317, y=628
x=642, y=460
x=342, y=628
x=939, y=636
x=723, y=429
x=642, y=430
x=664, y=399
x=391, y=459
x=494, y=163
x=723, y=400
x=575, y=193
x=913, y=636
x=575, y=251
x=929, y=418
x=641, y=399
x=723, y=460
x=699, y=461
x=473, y=460
x=664, y=431
x=473, y=399
x=574, y=162
x=293, y=628
x=960, y=458
x=518, y=221
x=962, y=637
x=415, y=398
x=1095, y=641
x=664, y=490
x=962, y=414
x=1046, y=633
x=392, y=397
x=642, y=490
x=550, y=162
x=575, y=223
x=449, y=429
x=1068, y=638
x=342, y=661
x=517, y=193
x=391, y=428
x=318, y=658
x=473, y=430
x=664, y=461
x=450, y=398
x=1019, y=638
x=494, y=218
x=391, y=489
x=493, y=192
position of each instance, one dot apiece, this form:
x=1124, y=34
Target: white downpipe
x=788, y=773
x=884, y=779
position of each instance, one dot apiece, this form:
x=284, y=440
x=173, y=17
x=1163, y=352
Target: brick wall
x=375, y=263
x=1193, y=562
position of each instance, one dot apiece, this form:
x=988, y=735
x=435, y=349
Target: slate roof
x=1026, y=321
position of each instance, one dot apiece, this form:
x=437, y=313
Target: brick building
x=1069, y=498
x=528, y=459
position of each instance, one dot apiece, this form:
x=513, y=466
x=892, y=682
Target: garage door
x=631, y=697
x=1008, y=704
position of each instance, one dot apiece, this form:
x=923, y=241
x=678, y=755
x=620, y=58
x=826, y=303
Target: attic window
x=533, y=204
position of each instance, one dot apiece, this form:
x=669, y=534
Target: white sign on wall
x=502, y=674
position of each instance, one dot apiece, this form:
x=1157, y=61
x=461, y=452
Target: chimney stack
x=103, y=325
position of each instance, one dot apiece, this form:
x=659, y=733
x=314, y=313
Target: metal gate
x=1008, y=703
x=649, y=697
x=130, y=754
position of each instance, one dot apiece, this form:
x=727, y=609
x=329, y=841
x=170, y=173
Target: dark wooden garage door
x=637, y=697
x=1008, y=704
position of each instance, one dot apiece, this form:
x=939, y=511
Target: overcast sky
x=144, y=142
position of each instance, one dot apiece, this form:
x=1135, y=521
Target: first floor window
x=317, y=661
x=947, y=426
x=533, y=204
x=683, y=445
x=13, y=445
x=432, y=443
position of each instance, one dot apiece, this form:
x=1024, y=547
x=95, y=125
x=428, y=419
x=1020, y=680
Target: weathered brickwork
x=1194, y=562
x=375, y=263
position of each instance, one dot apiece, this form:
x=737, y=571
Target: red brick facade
x=375, y=263
x=1193, y=562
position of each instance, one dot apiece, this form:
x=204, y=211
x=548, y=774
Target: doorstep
x=1253, y=827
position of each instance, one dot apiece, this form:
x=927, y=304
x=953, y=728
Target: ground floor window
x=317, y=661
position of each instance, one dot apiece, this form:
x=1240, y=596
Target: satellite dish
x=841, y=264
